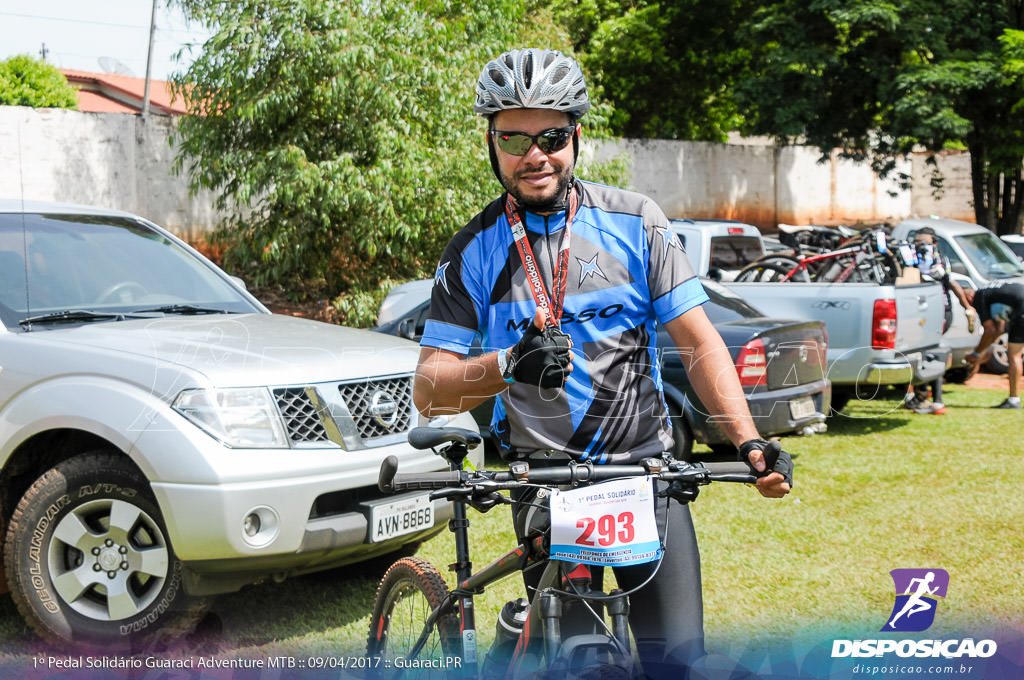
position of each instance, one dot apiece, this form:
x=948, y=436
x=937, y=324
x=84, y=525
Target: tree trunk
x=978, y=182
x=998, y=197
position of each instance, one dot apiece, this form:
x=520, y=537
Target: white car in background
x=163, y=437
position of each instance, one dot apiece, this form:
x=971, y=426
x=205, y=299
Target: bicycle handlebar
x=391, y=481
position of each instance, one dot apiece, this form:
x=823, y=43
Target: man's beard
x=554, y=202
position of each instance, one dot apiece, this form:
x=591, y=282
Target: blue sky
x=79, y=33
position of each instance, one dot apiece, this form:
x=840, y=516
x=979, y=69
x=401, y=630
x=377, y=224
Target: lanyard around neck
x=560, y=276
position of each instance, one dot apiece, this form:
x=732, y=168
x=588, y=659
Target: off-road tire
x=409, y=591
x=83, y=581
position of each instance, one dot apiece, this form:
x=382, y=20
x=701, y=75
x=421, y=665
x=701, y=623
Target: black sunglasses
x=518, y=143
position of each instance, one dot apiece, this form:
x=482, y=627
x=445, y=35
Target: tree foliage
x=666, y=66
x=341, y=135
x=882, y=78
x=26, y=81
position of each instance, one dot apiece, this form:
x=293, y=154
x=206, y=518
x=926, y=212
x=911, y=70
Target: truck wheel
x=961, y=374
x=997, y=362
x=88, y=561
x=840, y=398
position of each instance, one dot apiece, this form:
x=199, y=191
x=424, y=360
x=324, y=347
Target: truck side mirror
x=407, y=328
x=959, y=268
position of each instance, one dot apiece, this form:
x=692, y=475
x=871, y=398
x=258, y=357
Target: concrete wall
x=105, y=159
x=955, y=200
x=122, y=161
x=764, y=185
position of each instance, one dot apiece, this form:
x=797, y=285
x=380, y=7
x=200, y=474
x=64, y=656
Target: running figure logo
x=917, y=593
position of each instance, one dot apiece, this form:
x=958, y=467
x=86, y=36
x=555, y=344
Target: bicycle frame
x=803, y=262
x=542, y=634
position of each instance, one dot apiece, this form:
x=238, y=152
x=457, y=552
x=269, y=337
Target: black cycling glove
x=541, y=357
x=775, y=459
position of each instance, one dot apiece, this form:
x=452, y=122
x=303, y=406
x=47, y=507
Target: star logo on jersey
x=669, y=240
x=439, y=276
x=589, y=268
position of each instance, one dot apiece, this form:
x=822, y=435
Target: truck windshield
x=990, y=256
x=107, y=265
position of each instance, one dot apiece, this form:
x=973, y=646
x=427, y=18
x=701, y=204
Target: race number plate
x=400, y=517
x=801, y=408
x=606, y=524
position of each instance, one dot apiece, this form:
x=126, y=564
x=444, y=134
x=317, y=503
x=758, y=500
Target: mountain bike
x=866, y=258
x=418, y=623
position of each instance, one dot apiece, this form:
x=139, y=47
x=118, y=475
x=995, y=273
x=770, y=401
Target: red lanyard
x=560, y=276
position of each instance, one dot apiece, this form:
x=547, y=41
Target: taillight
x=752, y=363
x=883, y=325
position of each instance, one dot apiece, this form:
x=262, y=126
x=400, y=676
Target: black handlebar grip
x=426, y=480
x=385, y=479
x=728, y=468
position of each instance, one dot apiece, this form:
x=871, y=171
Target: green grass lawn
x=884, y=489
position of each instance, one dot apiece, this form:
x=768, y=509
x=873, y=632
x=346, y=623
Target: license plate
x=801, y=408
x=401, y=517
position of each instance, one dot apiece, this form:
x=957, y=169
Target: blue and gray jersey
x=627, y=272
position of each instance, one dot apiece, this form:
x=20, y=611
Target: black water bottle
x=511, y=621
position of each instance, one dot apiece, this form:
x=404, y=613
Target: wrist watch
x=505, y=367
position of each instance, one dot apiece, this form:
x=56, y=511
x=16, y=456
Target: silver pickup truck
x=163, y=437
x=878, y=335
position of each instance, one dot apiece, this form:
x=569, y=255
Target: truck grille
x=354, y=415
x=379, y=407
x=301, y=418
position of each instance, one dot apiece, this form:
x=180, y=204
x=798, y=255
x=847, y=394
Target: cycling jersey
x=627, y=272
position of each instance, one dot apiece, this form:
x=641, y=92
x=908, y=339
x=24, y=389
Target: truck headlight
x=239, y=417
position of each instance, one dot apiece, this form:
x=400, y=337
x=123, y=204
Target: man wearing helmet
x=564, y=283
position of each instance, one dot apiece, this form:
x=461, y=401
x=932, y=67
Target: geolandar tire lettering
x=88, y=561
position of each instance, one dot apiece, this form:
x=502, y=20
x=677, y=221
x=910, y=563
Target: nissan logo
x=383, y=409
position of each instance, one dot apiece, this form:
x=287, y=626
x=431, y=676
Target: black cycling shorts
x=1015, y=329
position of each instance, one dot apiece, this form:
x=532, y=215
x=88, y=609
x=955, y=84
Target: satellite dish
x=115, y=66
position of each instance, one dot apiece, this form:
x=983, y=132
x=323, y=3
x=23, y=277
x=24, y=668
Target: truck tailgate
x=847, y=309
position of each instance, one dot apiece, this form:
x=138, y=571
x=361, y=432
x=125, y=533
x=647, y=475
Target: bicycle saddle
x=429, y=437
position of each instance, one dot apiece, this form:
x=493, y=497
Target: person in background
x=925, y=398
x=1001, y=309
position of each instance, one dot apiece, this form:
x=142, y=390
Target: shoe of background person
x=912, y=401
x=1008, y=404
x=931, y=408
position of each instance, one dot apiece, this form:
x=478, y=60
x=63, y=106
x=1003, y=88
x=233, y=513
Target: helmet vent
x=497, y=77
x=558, y=75
x=528, y=71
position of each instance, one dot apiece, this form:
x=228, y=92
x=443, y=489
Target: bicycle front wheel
x=410, y=591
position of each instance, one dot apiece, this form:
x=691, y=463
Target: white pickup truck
x=163, y=437
x=878, y=335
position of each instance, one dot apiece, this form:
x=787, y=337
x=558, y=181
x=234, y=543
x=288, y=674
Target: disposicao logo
x=917, y=593
x=917, y=597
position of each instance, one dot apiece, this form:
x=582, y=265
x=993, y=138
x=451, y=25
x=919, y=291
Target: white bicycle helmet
x=532, y=78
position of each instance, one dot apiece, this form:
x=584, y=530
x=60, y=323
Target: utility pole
x=43, y=52
x=149, y=61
